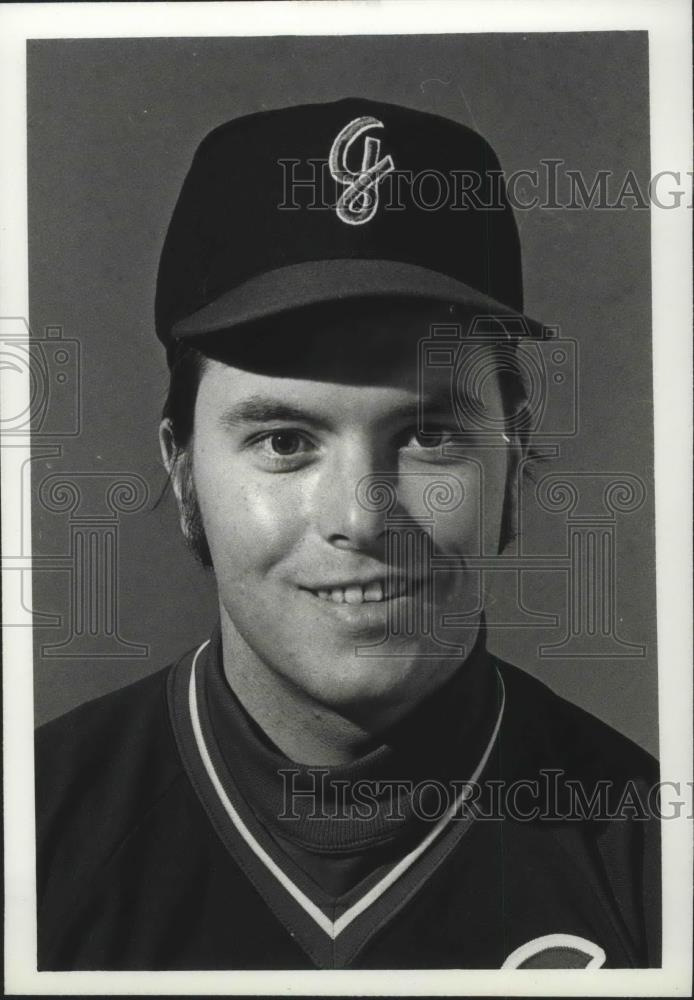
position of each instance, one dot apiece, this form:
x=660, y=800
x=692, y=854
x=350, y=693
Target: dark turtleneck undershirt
x=441, y=740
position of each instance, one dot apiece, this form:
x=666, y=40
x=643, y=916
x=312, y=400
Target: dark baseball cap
x=322, y=203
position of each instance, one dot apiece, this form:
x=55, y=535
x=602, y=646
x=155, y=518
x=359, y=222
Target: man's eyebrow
x=435, y=402
x=445, y=400
x=265, y=409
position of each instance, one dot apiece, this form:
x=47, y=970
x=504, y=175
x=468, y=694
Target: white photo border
x=668, y=23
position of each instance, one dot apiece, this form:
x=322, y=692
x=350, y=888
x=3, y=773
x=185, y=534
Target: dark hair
x=187, y=364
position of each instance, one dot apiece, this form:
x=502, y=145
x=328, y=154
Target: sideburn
x=191, y=518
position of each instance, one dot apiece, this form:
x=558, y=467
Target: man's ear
x=171, y=457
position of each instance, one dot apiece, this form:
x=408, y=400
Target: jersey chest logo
x=359, y=201
x=557, y=951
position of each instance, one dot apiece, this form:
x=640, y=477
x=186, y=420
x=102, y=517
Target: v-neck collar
x=332, y=930
x=313, y=809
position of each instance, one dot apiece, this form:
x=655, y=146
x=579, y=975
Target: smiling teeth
x=356, y=594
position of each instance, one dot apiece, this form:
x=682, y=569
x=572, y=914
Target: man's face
x=339, y=535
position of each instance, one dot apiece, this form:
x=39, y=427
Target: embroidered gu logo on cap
x=359, y=202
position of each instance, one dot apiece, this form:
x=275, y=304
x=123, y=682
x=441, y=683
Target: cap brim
x=318, y=282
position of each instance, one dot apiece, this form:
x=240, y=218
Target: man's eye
x=431, y=440
x=283, y=445
x=285, y=442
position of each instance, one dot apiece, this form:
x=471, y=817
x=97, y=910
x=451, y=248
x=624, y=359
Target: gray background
x=113, y=125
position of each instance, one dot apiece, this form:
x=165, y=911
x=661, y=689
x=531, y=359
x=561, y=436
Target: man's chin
x=380, y=680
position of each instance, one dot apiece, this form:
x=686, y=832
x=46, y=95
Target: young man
x=343, y=776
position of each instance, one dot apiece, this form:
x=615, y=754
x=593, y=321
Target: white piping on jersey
x=293, y=890
x=331, y=928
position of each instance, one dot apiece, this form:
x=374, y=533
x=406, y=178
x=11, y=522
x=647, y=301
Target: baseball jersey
x=506, y=829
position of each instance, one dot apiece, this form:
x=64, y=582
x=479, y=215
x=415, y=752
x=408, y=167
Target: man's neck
x=305, y=730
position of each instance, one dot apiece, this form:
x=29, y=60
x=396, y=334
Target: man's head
x=338, y=495
x=304, y=480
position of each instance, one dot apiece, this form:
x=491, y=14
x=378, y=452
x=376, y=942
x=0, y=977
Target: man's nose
x=349, y=509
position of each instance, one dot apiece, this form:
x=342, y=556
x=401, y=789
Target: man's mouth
x=375, y=591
